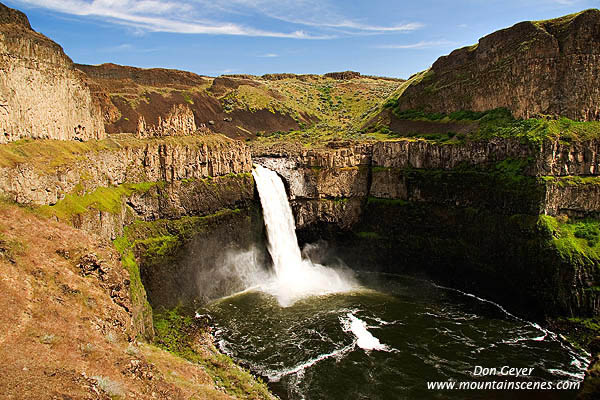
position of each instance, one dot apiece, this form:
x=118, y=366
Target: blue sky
x=212, y=37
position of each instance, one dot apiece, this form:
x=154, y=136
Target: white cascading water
x=295, y=277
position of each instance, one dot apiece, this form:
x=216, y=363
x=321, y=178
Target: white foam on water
x=275, y=376
x=364, y=339
x=294, y=277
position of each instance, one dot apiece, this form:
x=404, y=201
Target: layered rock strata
x=151, y=179
x=179, y=121
x=42, y=95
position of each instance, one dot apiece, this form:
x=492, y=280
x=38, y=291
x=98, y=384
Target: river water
x=386, y=341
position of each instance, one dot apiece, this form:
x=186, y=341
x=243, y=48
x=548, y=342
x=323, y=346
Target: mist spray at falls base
x=292, y=277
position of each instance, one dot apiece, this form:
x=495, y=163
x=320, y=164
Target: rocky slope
x=42, y=95
x=533, y=68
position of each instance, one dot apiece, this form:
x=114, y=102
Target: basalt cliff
x=533, y=68
x=33, y=65
x=122, y=188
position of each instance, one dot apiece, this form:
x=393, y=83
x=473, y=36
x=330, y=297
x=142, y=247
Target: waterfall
x=294, y=277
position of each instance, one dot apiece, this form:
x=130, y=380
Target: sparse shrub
x=10, y=248
x=589, y=232
x=87, y=348
x=132, y=350
x=48, y=339
x=111, y=337
x=110, y=387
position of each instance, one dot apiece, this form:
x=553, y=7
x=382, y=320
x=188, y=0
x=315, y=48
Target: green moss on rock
x=107, y=199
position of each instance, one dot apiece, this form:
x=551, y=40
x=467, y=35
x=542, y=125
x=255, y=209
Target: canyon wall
x=533, y=69
x=42, y=95
x=478, y=215
x=104, y=187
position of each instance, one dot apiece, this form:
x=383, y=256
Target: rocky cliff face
x=125, y=160
x=106, y=188
x=42, y=96
x=325, y=183
x=533, y=68
x=178, y=121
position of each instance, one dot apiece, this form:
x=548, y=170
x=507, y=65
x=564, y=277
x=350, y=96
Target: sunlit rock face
x=42, y=96
x=533, y=68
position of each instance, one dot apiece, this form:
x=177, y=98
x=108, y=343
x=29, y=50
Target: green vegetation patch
x=46, y=156
x=11, y=248
x=108, y=199
x=566, y=181
x=497, y=123
x=144, y=244
x=142, y=311
x=369, y=235
x=158, y=242
x=186, y=337
x=577, y=241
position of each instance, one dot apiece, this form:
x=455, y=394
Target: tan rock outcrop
x=179, y=121
x=42, y=96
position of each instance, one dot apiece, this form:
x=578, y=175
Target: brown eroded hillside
x=239, y=106
x=66, y=326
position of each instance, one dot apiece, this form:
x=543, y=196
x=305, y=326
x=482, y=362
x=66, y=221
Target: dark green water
x=308, y=351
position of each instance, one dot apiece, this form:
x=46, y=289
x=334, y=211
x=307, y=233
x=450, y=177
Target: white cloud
x=269, y=55
x=129, y=48
x=419, y=45
x=217, y=17
x=142, y=15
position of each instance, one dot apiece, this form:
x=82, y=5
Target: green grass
x=45, y=156
x=187, y=97
x=11, y=248
x=369, y=235
x=149, y=243
x=157, y=242
x=142, y=311
x=566, y=181
x=108, y=199
x=498, y=123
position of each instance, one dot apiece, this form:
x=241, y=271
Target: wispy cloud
x=129, y=48
x=148, y=15
x=419, y=45
x=312, y=19
x=269, y=55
